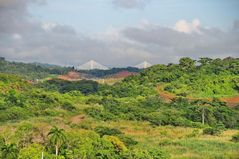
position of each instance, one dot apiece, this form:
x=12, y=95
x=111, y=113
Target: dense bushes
x=107, y=131
x=211, y=131
x=102, y=131
x=84, y=86
x=20, y=100
x=179, y=112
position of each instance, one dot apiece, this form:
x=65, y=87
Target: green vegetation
x=104, y=73
x=128, y=120
x=235, y=138
x=84, y=86
x=31, y=71
x=213, y=78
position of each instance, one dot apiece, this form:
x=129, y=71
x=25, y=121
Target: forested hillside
x=31, y=71
x=127, y=120
x=105, y=73
x=205, y=78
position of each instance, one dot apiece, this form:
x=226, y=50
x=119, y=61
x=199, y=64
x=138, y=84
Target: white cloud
x=47, y=26
x=17, y=36
x=130, y=4
x=21, y=39
x=187, y=27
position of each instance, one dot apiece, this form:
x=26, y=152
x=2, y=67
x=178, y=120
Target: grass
x=178, y=141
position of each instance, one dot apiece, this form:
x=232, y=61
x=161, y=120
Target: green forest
x=54, y=118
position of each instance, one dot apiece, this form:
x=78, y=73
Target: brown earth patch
x=70, y=76
x=123, y=74
x=77, y=119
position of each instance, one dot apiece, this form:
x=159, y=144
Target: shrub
x=194, y=133
x=146, y=154
x=216, y=130
x=158, y=154
x=140, y=154
x=93, y=100
x=128, y=141
x=235, y=138
x=33, y=151
x=118, y=145
x=168, y=88
x=107, y=131
x=68, y=106
x=100, y=113
x=211, y=131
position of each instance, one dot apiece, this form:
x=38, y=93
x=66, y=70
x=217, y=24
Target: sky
x=117, y=33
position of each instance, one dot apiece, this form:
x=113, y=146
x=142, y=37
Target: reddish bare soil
x=123, y=74
x=233, y=101
x=70, y=76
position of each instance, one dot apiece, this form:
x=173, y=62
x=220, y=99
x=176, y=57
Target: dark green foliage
x=68, y=106
x=235, y=138
x=100, y=114
x=180, y=112
x=128, y=141
x=104, y=73
x=107, y=131
x=187, y=63
x=84, y=86
x=31, y=71
x=215, y=130
x=211, y=131
x=93, y=100
x=9, y=151
x=57, y=138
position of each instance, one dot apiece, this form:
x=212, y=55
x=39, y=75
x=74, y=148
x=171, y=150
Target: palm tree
x=10, y=151
x=57, y=138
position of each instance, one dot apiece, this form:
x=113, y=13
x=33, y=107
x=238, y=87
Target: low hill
x=205, y=78
x=105, y=73
x=31, y=71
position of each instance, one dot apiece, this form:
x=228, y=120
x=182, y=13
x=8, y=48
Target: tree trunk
x=203, y=116
x=56, y=151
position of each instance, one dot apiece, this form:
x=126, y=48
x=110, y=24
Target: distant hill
x=31, y=71
x=110, y=72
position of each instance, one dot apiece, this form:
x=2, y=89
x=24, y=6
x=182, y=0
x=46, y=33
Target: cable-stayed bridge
x=91, y=65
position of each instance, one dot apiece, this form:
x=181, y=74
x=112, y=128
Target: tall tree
x=187, y=63
x=204, y=61
x=57, y=138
